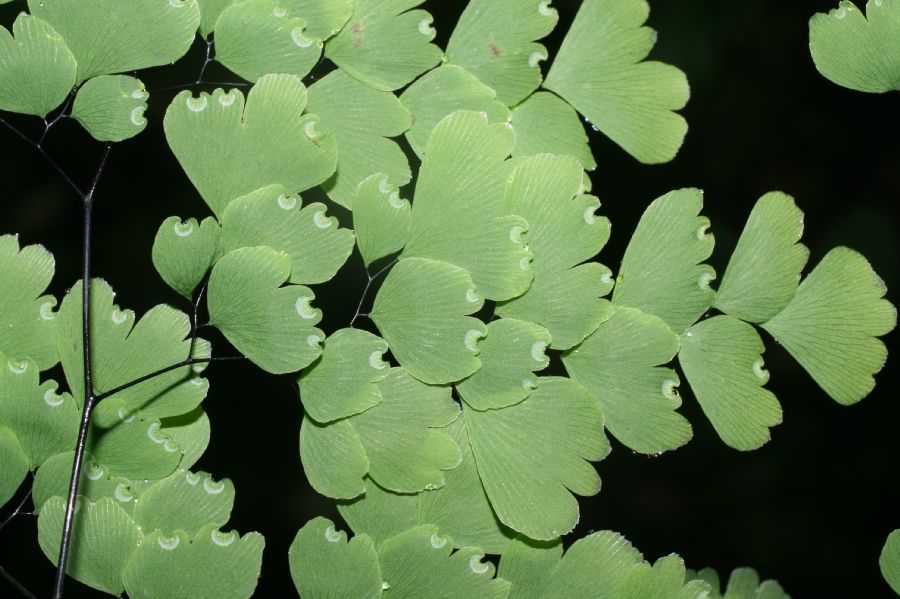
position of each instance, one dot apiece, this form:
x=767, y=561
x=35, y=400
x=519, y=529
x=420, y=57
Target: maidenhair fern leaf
x=764, y=270
x=661, y=271
x=889, y=561
x=53, y=477
x=743, y=583
x=324, y=18
x=344, y=381
x=545, y=123
x=512, y=350
x=333, y=457
x=380, y=218
x=381, y=514
x=439, y=93
x=494, y=40
x=190, y=432
x=273, y=326
x=664, y=580
x=856, y=51
x=385, y=44
x=219, y=141
x=255, y=37
x=27, y=319
x=563, y=232
x=362, y=118
x=458, y=215
x=104, y=537
x=33, y=48
x=599, y=71
x=325, y=565
x=621, y=363
x=136, y=449
x=418, y=562
x=211, y=565
x=421, y=312
x=44, y=422
x=831, y=325
x=532, y=456
x=184, y=251
x=114, y=37
x=111, y=107
x=125, y=350
x=722, y=359
x=184, y=501
x=529, y=565
x=13, y=464
x=209, y=13
x=269, y=216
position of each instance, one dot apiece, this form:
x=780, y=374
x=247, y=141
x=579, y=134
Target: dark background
x=811, y=509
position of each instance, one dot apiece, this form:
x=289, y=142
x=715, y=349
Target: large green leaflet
x=184, y=251
x=545, y=123
x=325, y=565
x=418, y=561
x=271, y=217
x=111, y=107
x=494, y=40
x=442, y=91
x=563, y=232
x=421, y=311
x=107, y=36
x=532, y=456
x=125, y=350
x=385, y=44
x=831, y=325
x=255, y=37
x=228, y=149
x=184, y=501
x=13, y=464
x=380, y=218
x=621, y=363
x=458, y=214
x=661, y=271
x=722, y=359
x=599, y=71
x=27, y=319
x=889, y=561
x=273, y=326
x=764, y=270
x=37, y=70
x=857, y=51
x=362, y=118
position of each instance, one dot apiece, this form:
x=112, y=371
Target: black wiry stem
x=16, y=584
x=365, y=292
x=16, y=511
x=65, y=542
x=37, y=146
x=142, y=379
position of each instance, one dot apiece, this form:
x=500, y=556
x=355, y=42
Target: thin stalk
x=16, y=584
x=65, y=542
x=371, y=279
x=16, y=511
x=142, y=379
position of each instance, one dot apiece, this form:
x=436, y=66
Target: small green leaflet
x=722, y=359
x=889, y=561
x=856, y=52
x=111, y=107
x=125, y=350
x=218, y=140
x=532, y=456
x=44, y=422
x=269, y=216
x=104, y=538
x=512, y=350
x=323, y=18
x=273, y=326
x=114, y=37
x=184, y=251
x=494, y=40
x=599, y=71
x=664, y=580
x=421, y=311
x=13, y=464
x=319, y=551
x=545, y=123
x=764, y=270
x=334, y=460
x=458, y=215
x=344, y=381
x=661, y=271
x=135, y=449
x=27, y=319
x=381, y=218
x=362, y=119
x=381, y=514
x=416, y=562
x=621, y=363
x=743, y=583
x=255, y=37
x=831, y=325
x=211, y=565
x=34, y=47
x=439, y=93
x=184, y=501
x=190, y=432
x=209, y=12
x=385, y=44
x=52, y=480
